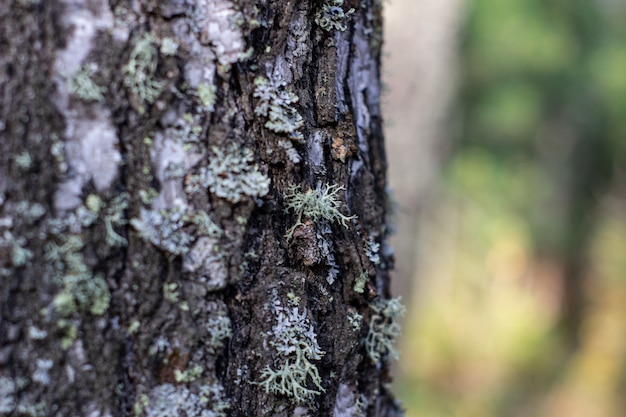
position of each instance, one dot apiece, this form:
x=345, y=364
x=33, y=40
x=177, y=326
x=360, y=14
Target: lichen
x=322, y=202
x=276, y=102
x=384, y=328
x=296, y=344
x=169, y=46
x=167, y=400
x=172, y=294
x=371, y=250
x=193, y=372
x=219, y=329
x=207, y=96
x=81, y=289
x=164, y=229
x=359, y=283
x=140, y=72
x=331, y=16
x=83, y=86
x=230, y=174
x=355, y=319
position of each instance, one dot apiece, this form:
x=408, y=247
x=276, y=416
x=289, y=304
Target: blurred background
x=506, y=137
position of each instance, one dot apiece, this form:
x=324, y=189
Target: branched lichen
x=384, y=328
x=331, y=16
x=83, y=86
x=231, y=174
x=320, y=203
x=140, y=71
x=296, y=344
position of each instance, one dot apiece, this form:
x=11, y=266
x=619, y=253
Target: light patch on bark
x=347, y=404
x=168, y=152
x=90, y=138
x=207, y=264
x=217, y=21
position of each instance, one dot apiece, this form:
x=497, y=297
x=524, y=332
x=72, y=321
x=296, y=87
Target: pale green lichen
x=296, y=345
x=169, y=46
x=331, y=16
x=384, y=328
x=276, y=102
x=81, y=290
x=164, y=229
x=355, y=319
x=190, y=374
x=140, y=72
x=83, y=86
x=372, y=250
x=167, y=400
x=320, y=203
x=219, y=329
x=207, y=96
x=359, y=283
x=23, y=160
x=230, y=174
x=19, y=253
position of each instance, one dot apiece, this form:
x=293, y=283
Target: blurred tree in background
x=526, y=317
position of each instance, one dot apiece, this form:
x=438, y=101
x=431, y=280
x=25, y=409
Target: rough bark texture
x=178, y=182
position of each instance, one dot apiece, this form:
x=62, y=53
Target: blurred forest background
x=507, y=149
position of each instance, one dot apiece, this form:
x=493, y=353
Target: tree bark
x=192, y=209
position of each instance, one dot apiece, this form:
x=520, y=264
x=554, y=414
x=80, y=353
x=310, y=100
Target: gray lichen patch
x=168, y=400
x=164, y=229
x=277, y=104
x=231, y=174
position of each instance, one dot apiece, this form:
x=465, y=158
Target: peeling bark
x=152, y=259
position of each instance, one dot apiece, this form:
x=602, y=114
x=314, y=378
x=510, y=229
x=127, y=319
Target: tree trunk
x=192, y=209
